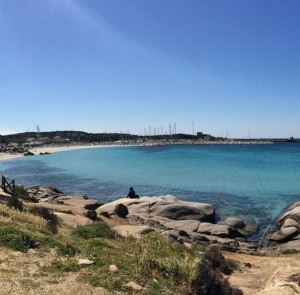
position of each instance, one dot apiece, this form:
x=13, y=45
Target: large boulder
x=186, y=225
x=293, y=245
x=165, y=206
x=201, y=212
x=284, y=234
x=219, y=230
x=238, y=225
x=131, y=204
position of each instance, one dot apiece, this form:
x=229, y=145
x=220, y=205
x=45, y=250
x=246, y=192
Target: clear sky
x=116, y=65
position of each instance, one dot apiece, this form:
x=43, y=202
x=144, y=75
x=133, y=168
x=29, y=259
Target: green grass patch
x=95, y=230
x=65, y=265
x=15, y=238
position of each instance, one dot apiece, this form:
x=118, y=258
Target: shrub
x=217, y=260
x=95, y=230
x=295, y=278
x=66, y=249
x=66, y=265
x=51, y=218
x=23, y=194
x=209, y=280
x=15, y=203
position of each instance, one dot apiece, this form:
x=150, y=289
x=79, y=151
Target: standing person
x=131, y=194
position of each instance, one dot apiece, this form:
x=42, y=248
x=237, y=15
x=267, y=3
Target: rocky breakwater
x=287, y=237
x=184, y=222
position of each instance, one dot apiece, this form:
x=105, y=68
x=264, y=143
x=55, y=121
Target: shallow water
x=253, y=182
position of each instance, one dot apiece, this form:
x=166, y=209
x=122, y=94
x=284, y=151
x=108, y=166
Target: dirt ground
x=266, y=275
x=22, y=273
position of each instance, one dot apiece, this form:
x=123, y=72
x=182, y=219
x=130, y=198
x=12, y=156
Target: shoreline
x=62, y=148
x=50, y=149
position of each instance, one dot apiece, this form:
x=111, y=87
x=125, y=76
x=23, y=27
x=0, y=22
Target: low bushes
x=52, y=219
x=209, y=279
x=21, y=193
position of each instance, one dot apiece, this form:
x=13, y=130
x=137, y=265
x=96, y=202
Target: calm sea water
x=254, y=183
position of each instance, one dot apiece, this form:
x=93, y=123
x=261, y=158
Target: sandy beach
x=49, y=149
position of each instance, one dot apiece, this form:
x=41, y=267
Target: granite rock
x=284, y=234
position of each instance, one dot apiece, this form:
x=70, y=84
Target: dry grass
x=21, y=217
x=159, y=266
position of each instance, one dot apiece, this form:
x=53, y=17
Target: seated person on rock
x=132, y=194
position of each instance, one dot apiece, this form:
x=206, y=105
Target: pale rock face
x=205, y=228
x=233, y=222
x=290, y=222
x=165, y=206
x=79, y=201
x=110, y=207
x=238, y=225
x=296, y=204
x=284, y=234
x=219, y=230
x=186, y=225
x=293, y=245
x=293, y=214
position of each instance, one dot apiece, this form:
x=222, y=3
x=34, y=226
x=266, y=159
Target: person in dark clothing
x=131, y=194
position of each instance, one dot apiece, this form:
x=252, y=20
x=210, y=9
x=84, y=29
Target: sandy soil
x=56, y=149
x=266, y=275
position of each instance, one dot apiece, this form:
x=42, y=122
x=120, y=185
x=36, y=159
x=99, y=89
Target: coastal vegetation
x=83, y=137
x=152, y=262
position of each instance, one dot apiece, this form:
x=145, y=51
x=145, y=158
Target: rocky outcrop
x=44, y=194
x=14, y=148
x=284, y=234
x=292, y=213
x=184, y=222
x=287, y=236
x=55, y=196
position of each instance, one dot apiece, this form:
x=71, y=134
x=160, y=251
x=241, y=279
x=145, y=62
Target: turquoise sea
x=253, y=182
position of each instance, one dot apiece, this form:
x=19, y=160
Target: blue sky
x=116, y=65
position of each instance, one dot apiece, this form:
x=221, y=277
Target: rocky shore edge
x=182, y=222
